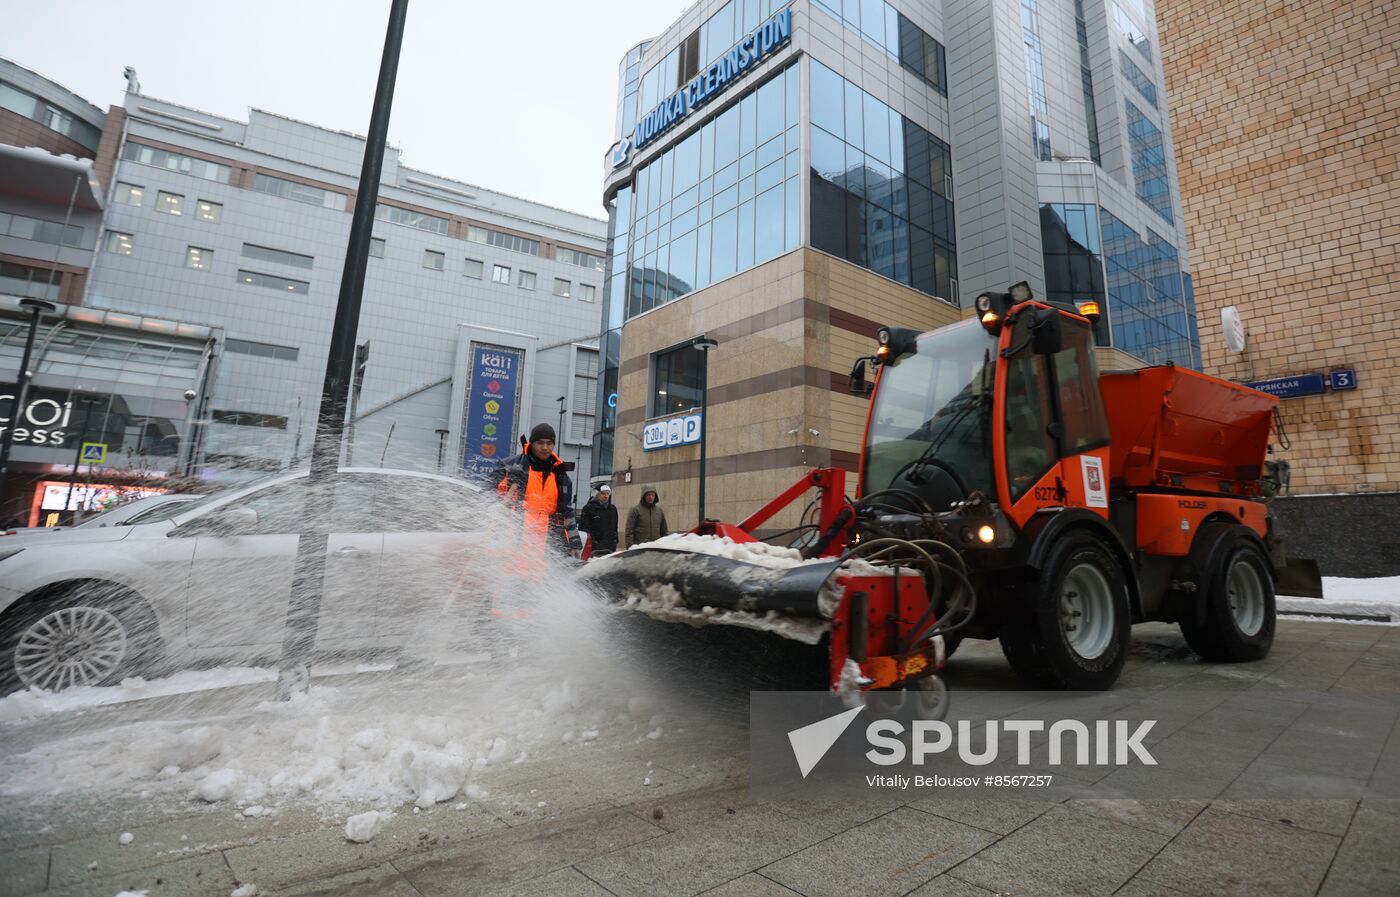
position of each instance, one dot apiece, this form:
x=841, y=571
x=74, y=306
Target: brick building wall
x=1287, y=124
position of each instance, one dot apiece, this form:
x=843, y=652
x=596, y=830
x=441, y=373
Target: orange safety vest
x=539, y=506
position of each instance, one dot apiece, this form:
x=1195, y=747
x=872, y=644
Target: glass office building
x=937, y=154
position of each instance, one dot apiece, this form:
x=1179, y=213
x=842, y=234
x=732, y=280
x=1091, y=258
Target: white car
x=90, y=606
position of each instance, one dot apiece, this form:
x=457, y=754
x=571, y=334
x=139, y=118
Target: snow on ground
x=1373, y=600
x=369, y=739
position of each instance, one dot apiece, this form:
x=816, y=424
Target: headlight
x=6, y=555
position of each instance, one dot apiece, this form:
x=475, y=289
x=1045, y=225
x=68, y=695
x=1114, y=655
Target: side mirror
x=1046, y=338
x=858, y=384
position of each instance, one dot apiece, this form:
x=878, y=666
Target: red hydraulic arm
x=832, y=483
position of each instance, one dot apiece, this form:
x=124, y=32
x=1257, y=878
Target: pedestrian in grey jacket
x=646, y=521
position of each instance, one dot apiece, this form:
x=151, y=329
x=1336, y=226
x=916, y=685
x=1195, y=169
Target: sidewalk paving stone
x=1166, y=817
x=1368, y=862
x=885, y=857
x=376, y=881
x=1223, y=853
x=947, y=885
x=307, y=856
x=24, y=871
x=751, y=885
x=1063, y=852
x=201, y=876
x=502, y=860
x=689, y=861
x=997, y=816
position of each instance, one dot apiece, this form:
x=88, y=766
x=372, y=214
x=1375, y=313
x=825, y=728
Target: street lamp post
x=559, y=436
x=442, y=445
x=705, y=345
x=87, y=402
x=309, y=570
x=37, y=309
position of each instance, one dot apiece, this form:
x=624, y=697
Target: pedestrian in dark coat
x=599, y=519
x=646, y=522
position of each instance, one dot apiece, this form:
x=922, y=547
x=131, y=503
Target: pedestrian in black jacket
x=599, y=519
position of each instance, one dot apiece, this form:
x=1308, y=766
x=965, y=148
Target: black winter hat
x=542, y=431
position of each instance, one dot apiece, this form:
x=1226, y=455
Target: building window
x=129, y=194
x=170, y=203
x=503, y=240
x=1150, y=307
x=1132, y=33
x=1035, y=78
x=675, y=381
x=261, y=350
x=472, y=268
x=118, y=243
x=205, y=210
x=500, y=274
x=376, y=247
x=22, y=280
x=1086, y=82
x=278, y=256
x=585, y=292
x=881, y=188
x=249, y=419
x=1149, y=162
x=561, y=287
x=1138, y=78
x=26, y=228
x=720, y=201
x=887, y=28
x=297, y=192
x=24, y=103
x=434, y=260
x=198, y=258
x=159, y=158
x=584, y=402
x=410, y=218
x=527, y=280
x=576, y=257
x=274, y=282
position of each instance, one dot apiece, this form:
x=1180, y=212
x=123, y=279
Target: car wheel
x=89, y=634
x=1239, y=612
x=1074, y=631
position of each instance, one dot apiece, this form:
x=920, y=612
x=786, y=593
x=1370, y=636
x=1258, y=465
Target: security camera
x=190, y=394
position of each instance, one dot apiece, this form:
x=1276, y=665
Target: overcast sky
x=515, y=95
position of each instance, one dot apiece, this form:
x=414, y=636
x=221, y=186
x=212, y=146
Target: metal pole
x=704, y=423
x=68, y=216
x=559, y=437
x=304, y=608
x=7, y=439
x=78, y=452
x=442, y=447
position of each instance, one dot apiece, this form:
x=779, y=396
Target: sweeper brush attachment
x=877, y=605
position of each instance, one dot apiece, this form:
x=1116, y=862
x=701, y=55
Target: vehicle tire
x=1238, y=604
x=1075, y=625
x=88, y=634
x=925, y=698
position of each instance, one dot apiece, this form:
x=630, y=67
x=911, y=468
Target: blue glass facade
x=881, y=188
x=888, y=29
x=1150, y=310
x=1149, y=162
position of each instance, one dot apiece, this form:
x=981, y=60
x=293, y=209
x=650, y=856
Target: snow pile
x=759, y=553
x=33, y=702
x=1374, y=600
x=362, y=827
x=663, y=602
x=249, y=890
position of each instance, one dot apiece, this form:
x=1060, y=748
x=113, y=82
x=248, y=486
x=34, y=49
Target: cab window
x=1030, y=449
x=1077, y=383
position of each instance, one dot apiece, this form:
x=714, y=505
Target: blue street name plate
x=1290, y=387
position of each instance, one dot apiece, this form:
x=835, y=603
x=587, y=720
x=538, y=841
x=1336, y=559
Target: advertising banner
x=493, y=395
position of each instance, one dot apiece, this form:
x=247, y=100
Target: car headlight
x=6, y=555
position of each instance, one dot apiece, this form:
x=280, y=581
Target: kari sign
x=672, y=431
x=492, y=398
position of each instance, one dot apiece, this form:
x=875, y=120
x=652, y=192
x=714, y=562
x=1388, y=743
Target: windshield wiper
x=971, y=403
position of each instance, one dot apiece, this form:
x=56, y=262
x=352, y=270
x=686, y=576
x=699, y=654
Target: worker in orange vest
x=536, y=482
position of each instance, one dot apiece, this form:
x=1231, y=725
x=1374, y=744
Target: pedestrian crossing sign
x=94, y=453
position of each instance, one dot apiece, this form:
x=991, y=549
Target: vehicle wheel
x=1074, y=632
x=93, y=634
x=1239, y=606
x=925, y=698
